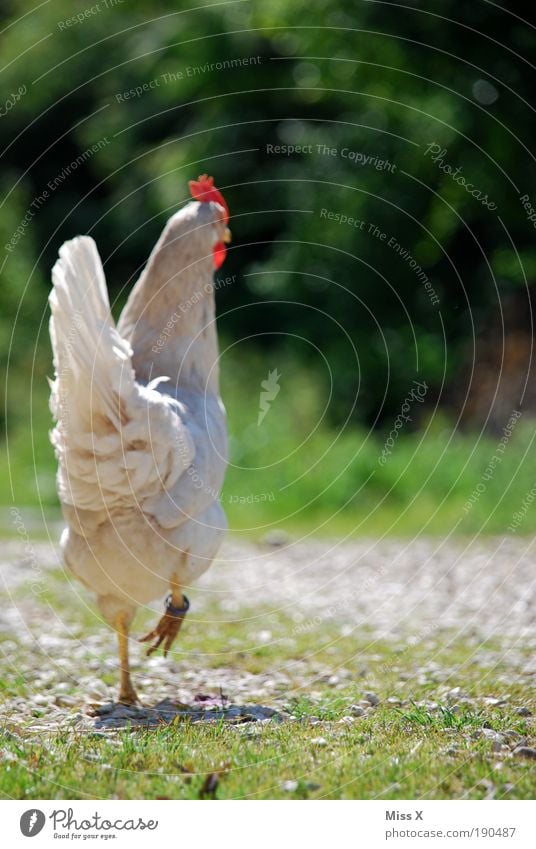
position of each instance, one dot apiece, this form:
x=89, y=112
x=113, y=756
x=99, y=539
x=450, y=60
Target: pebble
x=75, y=717
x=523, y=711
x=276, y=539
x=492, y=735
x=65, y=701
x=319, y=741
x=489, y=787
x=456, y=694
x=357, y=710
x=97, y=690
x=525, y=752
x=264, y=636
x=289, y=786
x=515, y=736
x=489, y=734
x=372, y=698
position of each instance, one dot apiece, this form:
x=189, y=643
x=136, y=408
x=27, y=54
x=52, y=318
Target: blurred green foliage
x=294, y=473
x=379, y=79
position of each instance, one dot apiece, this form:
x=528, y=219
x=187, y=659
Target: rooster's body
x=140, y=434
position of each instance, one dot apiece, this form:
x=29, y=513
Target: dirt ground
x=407, y=593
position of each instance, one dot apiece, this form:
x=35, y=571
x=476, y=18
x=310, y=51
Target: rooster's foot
x=168, y=626
x=128, y=696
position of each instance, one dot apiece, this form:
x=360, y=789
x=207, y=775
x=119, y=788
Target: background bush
x=341, y=314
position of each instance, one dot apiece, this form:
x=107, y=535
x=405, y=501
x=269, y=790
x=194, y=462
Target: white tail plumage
x=117, y=442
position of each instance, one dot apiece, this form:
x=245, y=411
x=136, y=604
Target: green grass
x=366, y=762
x=444, y=718
x=387, y=755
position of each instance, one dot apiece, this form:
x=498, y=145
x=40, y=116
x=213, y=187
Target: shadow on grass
x=169, y=711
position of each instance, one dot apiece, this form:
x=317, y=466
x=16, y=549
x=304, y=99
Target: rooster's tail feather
x=114, y=439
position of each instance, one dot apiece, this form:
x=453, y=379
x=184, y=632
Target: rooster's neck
x=180, y=345
x=169, y=318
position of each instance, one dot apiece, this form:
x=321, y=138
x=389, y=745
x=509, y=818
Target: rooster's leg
x=127, y=693
x=170, y=624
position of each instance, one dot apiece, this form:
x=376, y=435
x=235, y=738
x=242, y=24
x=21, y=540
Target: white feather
x=115, y=439
x=124, y=438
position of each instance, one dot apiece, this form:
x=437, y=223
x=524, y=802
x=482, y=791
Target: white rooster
x=140, y=433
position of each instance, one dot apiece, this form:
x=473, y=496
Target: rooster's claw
x=168, y=627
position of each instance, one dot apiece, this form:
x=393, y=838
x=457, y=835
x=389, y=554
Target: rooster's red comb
x=204, y=190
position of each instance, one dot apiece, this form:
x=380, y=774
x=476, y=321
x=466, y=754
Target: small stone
x=523, y=711
x=489, y=787
x=515, y=737
x=97, y=690
x=276, y=539
x=65, y=701
x=289, y=786
x=264, y=636
x=456, y=694
x=356, y=710
x=319, y=741
x=372, y=699
x=347, y=720
x=333, y=680
x=525, y=752
x=494, y=736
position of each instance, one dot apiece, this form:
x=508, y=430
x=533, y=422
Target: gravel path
x=390, y=587
x=404, y=592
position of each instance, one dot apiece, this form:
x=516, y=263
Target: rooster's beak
x=227, y=237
